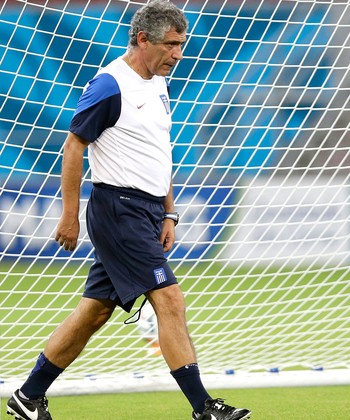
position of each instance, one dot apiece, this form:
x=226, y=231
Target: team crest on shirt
x=165, y=103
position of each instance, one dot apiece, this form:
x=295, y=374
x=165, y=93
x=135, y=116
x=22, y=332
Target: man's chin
x=164, y=71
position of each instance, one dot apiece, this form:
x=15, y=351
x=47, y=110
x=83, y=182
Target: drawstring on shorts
x=138, y=313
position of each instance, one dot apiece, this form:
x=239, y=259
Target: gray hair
x=155, y=19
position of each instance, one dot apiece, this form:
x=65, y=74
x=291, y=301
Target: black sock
x=41, y=377
x=190, y=383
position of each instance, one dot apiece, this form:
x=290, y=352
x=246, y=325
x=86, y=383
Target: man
x=123, y=117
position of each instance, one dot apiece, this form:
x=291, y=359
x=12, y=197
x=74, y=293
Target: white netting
x=261, y=141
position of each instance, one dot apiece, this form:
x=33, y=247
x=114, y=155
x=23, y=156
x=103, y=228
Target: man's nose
x=177, y=53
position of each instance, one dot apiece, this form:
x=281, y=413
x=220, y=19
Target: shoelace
x=220, y=407
x=44, y=403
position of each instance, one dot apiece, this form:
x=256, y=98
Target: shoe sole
x=246, y=417
x=11, y=412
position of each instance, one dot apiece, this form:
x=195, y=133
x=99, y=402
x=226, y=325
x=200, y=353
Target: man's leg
x=176, y=344
x=70, y=338
x=66, y=343
x=174, y=338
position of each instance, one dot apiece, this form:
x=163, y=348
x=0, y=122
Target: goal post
x=261, y=150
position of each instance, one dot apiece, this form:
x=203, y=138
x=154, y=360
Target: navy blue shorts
x=124, y=226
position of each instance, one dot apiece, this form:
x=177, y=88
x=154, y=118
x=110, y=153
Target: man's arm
x=72, y=167
x=167, y=237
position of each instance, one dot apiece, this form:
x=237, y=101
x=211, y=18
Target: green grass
x=314, y=403
x=273, y=308
x=285, y=315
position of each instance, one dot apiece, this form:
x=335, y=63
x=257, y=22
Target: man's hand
x=67, y=232
x=167, y=236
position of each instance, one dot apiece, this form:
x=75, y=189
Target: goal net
x=261, y=143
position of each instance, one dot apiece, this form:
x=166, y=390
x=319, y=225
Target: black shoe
x=217, y=410
x=24, y=409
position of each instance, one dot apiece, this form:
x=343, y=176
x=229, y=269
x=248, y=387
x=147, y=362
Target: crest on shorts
x=166, y=103
x=160, y=276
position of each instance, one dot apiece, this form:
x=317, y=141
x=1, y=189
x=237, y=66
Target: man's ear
x=142, y=39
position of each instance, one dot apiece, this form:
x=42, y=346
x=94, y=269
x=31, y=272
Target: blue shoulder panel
x=98, y=108
x=99, y=88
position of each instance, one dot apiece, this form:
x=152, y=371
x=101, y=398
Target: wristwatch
x=173, y=216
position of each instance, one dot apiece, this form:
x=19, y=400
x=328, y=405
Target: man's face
x=159, y=58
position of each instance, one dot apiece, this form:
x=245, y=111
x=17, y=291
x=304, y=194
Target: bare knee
x=168, y=301
x=94, y=313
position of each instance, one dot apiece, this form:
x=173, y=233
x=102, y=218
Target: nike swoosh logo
x=33, y=415
x=140, y=106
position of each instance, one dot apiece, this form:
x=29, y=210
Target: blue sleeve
x=98, y=108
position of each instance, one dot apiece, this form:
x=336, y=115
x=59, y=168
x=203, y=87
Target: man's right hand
x=67, y=232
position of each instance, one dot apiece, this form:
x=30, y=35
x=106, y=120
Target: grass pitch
x=314, y=403
x=304, y=403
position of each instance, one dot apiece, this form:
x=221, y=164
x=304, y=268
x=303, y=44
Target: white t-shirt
x=127, y=120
